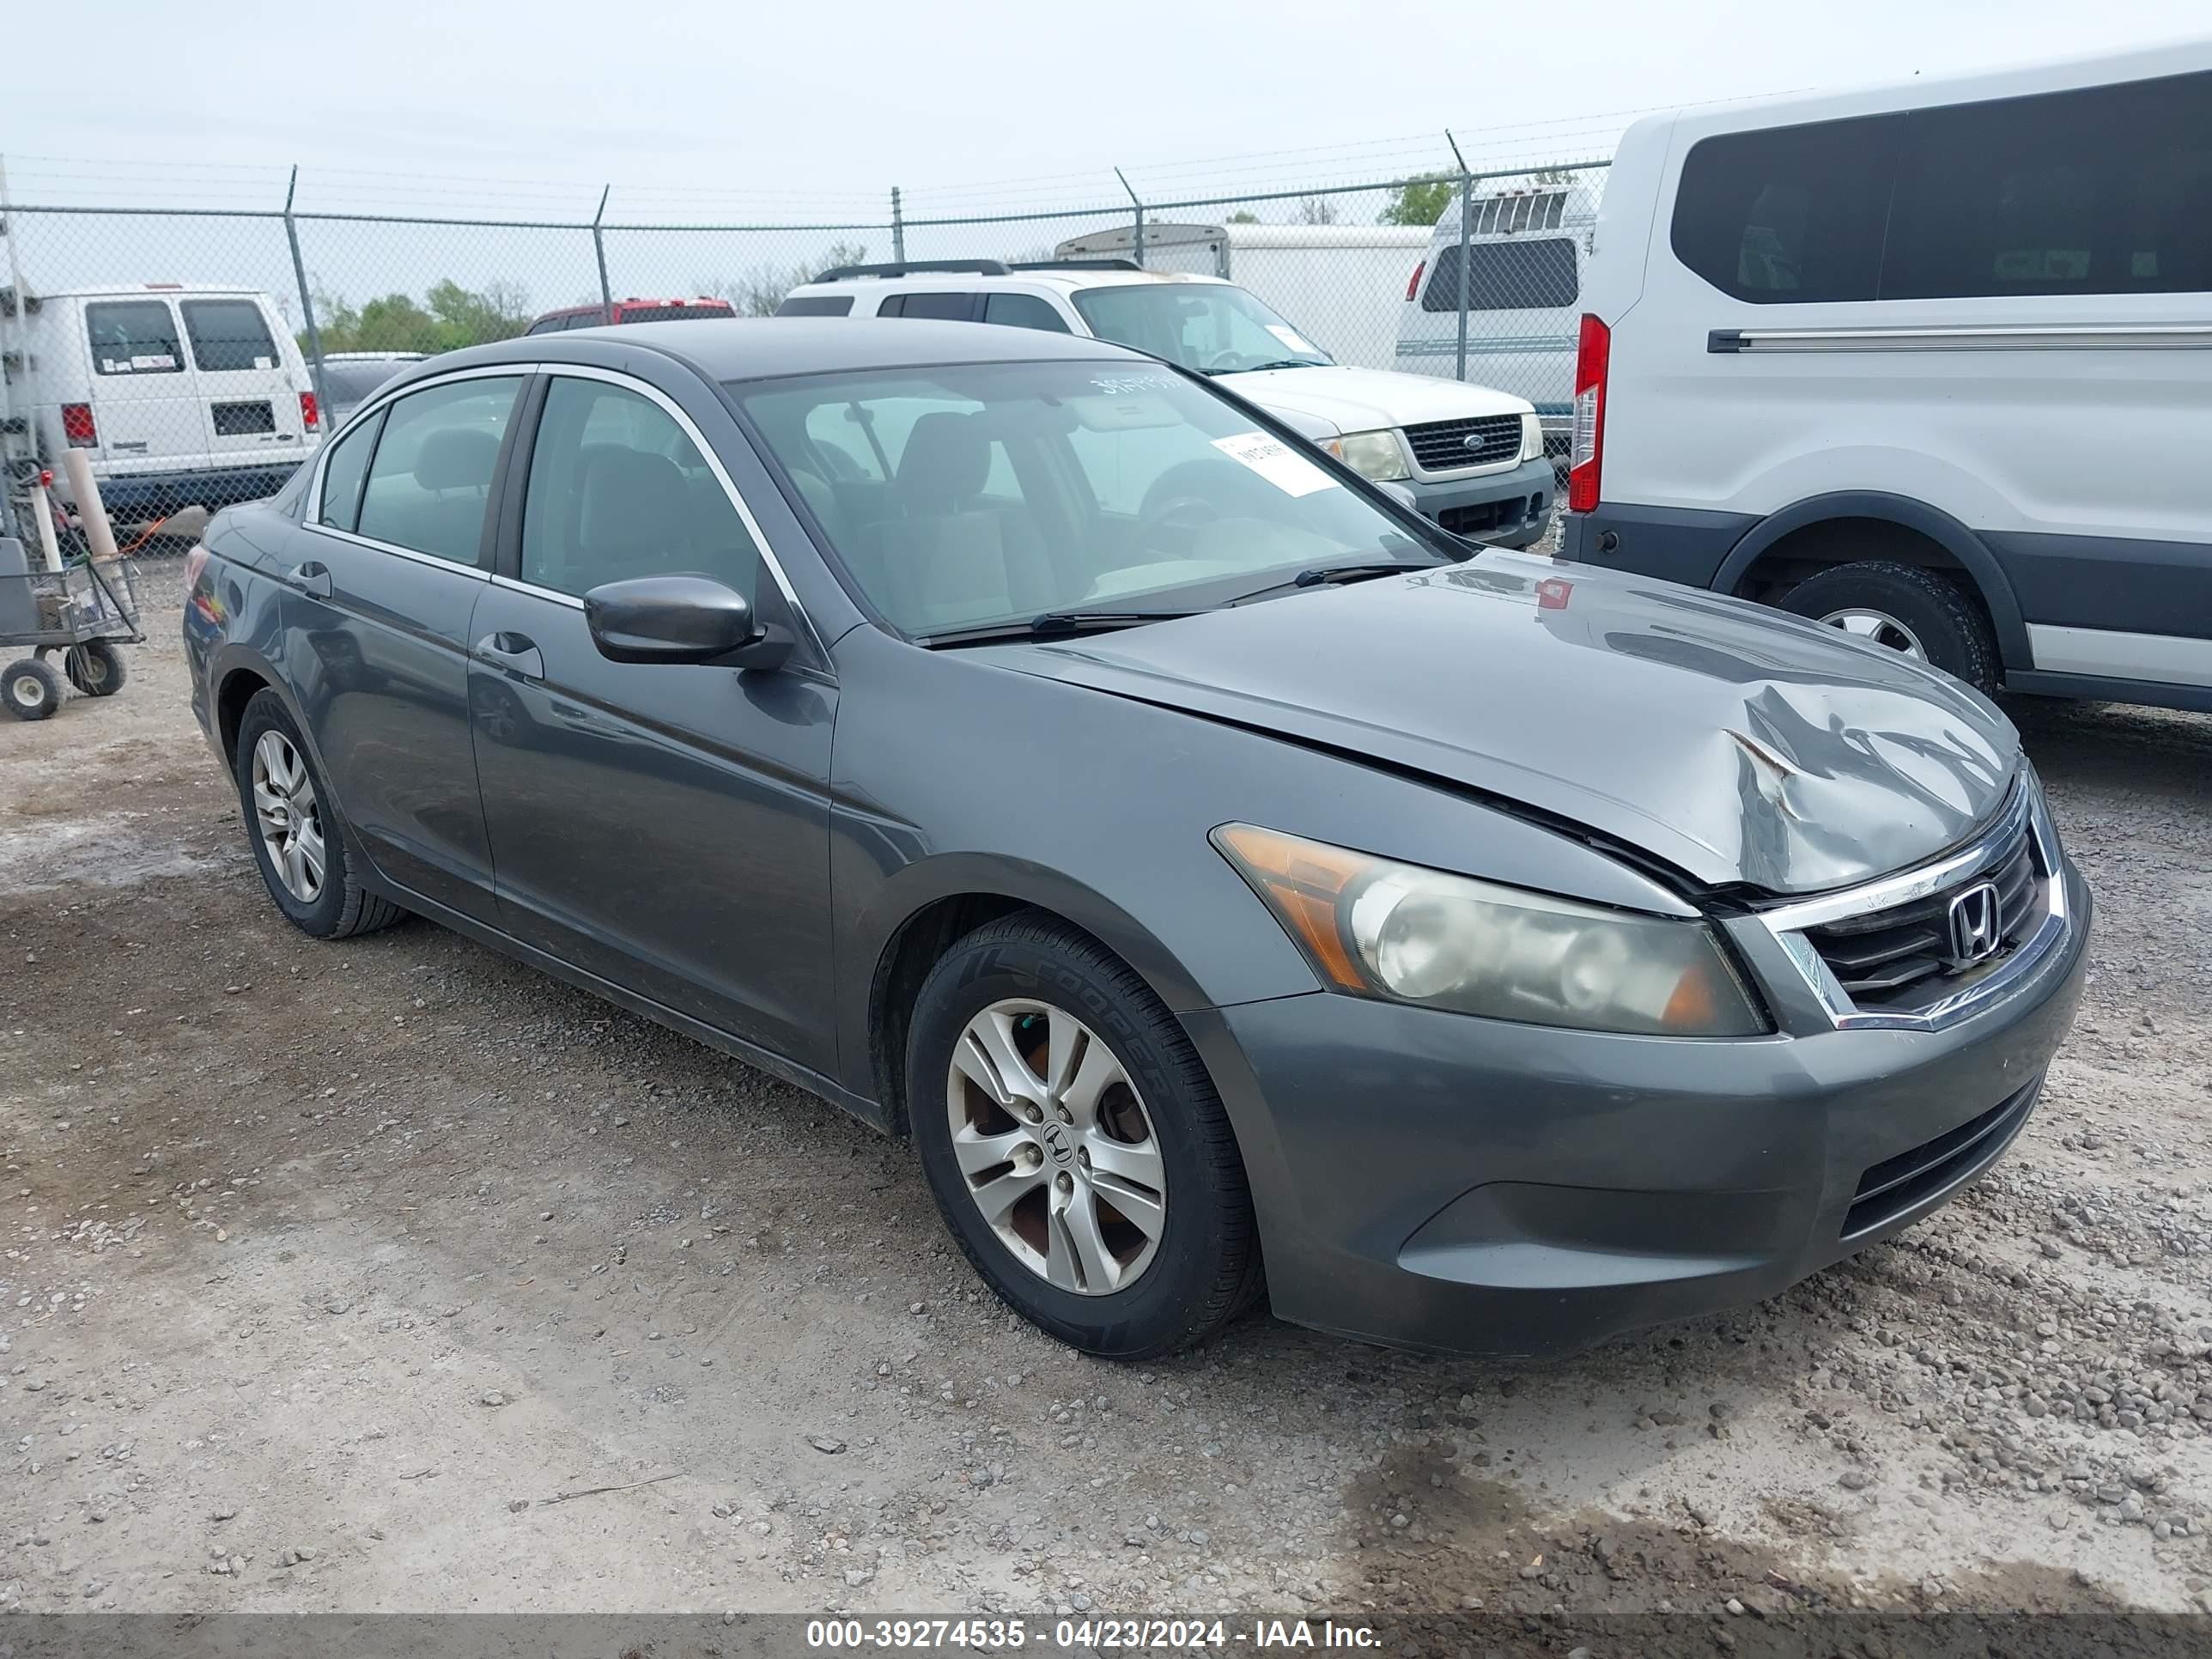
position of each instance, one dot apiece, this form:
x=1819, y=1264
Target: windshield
x=968, y=495
x=1207, y=326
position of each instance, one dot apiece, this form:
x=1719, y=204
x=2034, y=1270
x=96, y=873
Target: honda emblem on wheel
x=1974, y=923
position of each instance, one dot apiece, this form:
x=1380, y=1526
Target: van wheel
x=32, y=690
x=95, y=668
x=1075, y=1145
x=1908, y=608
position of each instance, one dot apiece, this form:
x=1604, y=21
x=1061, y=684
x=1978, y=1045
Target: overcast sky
x=822, y=105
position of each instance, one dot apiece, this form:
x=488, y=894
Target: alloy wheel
x=1878, y=629
x=290, y=821
x=1056, y=1148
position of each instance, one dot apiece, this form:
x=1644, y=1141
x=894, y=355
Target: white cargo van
x=1931, y=364
x=178, y=395
x=1525, y=251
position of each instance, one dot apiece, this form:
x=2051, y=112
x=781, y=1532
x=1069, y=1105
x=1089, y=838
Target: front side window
x=430, y=483
x=133, y=337
x=964, y=495
x=1505, y=276
x=340, y=506
x=228, y=335
x=617, y=489
x=1210, y=327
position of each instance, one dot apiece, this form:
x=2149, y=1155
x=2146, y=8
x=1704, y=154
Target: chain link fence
x=195, y=356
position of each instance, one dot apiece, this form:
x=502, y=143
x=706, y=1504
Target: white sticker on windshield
x=262, y=363
x=152, y=360
x=1275, y=461
x=114, y=366
x=1290, y=338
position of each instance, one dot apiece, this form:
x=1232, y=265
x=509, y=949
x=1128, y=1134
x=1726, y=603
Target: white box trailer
x=1342, y=285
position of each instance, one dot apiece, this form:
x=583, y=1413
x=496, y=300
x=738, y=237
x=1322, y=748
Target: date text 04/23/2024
x=1089, y=1635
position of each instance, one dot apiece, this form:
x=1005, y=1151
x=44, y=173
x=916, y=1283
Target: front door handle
x=516, y=652
x=313, y=577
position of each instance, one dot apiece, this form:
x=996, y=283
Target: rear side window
x=1505, y=276
x=133, y=337
x=1023, y=311
x=816, y=305
x=431, y=479
x=228, y=335
x=946, y=307
x=2104, y=190
x=340, y=506
x=1792, y=215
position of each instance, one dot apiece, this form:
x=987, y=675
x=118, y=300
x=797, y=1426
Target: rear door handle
x=313, y=577
x=517, y=653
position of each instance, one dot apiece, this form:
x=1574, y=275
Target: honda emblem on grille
x=1976, y=925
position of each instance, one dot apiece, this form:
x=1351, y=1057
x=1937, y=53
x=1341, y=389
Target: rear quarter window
x=1535, y=276
x=1789, y=215
x=816, y=305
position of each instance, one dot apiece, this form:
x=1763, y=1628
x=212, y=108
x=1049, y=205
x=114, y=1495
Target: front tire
x=1075, y=1145
x=1910, y=608
x=297, y=835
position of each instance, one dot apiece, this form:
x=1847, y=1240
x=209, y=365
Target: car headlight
x=1374, y=455
x=1532, y=436
x=1401, y=933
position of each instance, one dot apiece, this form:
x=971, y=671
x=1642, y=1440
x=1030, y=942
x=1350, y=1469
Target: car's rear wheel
x=1076, y=1146
x=1912, y=610
x=298, y=837
x=31, y=690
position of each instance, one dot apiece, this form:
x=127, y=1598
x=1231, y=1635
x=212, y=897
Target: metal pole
x=1466, y=233
x=1139, y=206
x=11, y=328
x=307, y=301
x=599, y=252
x=898, y=229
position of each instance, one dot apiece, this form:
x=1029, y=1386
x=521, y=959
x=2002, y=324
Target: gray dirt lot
x=325, y=1269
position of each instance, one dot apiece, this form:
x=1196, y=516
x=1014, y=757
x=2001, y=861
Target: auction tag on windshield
x=1293, y=338
x=153, y=360
x=1276, y=462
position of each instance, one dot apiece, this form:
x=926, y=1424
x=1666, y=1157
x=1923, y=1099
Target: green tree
x=1419, y=201
x=449, y=316
x=1243, y=217
x=467, y=317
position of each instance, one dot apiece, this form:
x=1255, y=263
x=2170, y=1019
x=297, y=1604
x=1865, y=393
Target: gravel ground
x=390, y=1275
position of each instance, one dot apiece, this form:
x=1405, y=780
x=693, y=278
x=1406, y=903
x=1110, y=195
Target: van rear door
x=251, y=405
x=145, y=399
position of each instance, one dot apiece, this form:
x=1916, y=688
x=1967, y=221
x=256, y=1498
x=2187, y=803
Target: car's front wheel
x=1075, y=1143
x=292, y=821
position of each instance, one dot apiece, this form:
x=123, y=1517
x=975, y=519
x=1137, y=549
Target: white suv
x=1470, y=457
x=1926, y=362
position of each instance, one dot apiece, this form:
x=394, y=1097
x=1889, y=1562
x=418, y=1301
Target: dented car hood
x=1739, y=746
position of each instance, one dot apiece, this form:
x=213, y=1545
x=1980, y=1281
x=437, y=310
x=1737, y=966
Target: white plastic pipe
x=90, y=511
x=43, y=510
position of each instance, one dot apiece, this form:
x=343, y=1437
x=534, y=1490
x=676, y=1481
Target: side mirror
x=681, y=619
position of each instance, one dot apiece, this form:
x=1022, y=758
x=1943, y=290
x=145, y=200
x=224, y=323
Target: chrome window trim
x=511, y=586
x=668, y=405
x=474, y=572
x=1786, y=923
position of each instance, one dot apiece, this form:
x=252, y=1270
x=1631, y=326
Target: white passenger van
x=1525, y=251
x=178, y=395
x=1931, y=364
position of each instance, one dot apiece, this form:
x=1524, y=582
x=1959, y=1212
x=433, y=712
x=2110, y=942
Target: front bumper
x=1429, y=1180
x=1504, y=509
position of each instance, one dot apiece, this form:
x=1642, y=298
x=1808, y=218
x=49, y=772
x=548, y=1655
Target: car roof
x=765, y=348
x=1065, y=279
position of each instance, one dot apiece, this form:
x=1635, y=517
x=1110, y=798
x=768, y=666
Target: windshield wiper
x=1334, y=574
x=1288, y=362
x=1050, y=625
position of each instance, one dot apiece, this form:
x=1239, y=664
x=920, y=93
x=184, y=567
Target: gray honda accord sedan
x=1228, y=881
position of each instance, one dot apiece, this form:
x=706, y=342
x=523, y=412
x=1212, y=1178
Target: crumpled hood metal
x=1737, y=745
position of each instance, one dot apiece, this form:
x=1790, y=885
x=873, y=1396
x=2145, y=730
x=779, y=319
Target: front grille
x=1898, y=1186
x=1902, y=957
x=1442, y=446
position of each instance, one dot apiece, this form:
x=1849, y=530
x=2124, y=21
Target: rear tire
x=297, y=833
x=31, y=690
x=1180, y=1256
x=95, y=668
x=1908, y=606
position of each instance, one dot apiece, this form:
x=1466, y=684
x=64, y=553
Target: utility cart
x=84, y=610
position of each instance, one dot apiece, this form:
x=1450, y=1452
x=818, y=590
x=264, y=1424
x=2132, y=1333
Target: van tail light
x=77, y=426
x=1413, y=283
x=311, y=412
x=1593, y=357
